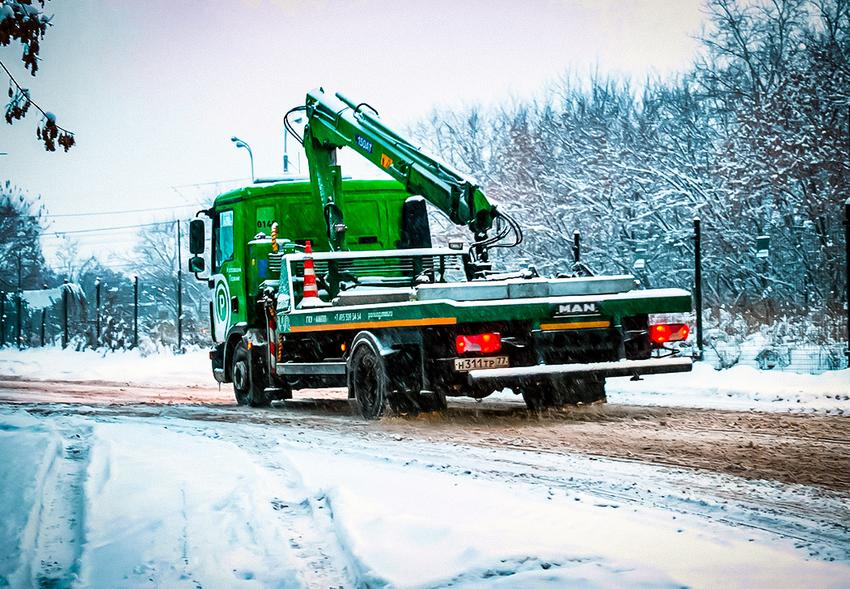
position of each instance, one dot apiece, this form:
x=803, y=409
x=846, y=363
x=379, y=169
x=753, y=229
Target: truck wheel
x=533, y=398
x=248, y=390
x=590, y=390
x=548, y=394
x=368, y=379
x=539, y=394
x=433, y=401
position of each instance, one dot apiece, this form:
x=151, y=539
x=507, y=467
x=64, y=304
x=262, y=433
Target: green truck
x=333, y=282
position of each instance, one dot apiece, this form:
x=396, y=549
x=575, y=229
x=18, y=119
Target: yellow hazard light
x=343, y=347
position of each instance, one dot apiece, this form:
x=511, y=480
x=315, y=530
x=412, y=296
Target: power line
x=210, y=183
x=124, y=212
x=116, y=228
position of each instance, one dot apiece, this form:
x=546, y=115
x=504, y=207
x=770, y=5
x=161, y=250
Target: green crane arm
x=335, y=121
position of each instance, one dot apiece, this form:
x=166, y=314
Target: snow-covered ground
x=112, y=496
x=164, y=368
x=114, y=500
x=738, y=388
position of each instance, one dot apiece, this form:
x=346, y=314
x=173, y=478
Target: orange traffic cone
x=311, y=291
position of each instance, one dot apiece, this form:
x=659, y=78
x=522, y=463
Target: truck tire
x=544, y=394
x=368, y=380
x=590, y=390
x=249, y=385
x=433, y=401
x=560, y=392
x=533, y=398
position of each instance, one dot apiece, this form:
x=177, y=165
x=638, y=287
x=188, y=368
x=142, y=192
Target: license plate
x=467, y=364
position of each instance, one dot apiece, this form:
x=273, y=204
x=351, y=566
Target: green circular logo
x=222, y=302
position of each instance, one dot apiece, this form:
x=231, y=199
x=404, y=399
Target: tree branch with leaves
x=23, y=22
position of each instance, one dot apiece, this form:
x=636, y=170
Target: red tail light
x=486, y=343
x=668, y=332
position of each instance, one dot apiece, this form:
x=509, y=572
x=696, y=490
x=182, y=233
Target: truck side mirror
x=196, y=263
x=197, y=238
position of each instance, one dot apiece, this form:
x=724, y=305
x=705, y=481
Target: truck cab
x=374, y=208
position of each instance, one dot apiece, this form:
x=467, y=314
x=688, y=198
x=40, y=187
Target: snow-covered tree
x=21, y=224
x=753, y=141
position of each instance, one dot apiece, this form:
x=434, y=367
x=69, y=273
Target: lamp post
x=239, y=143
x=285, y=152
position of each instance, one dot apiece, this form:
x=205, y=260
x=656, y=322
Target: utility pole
x=179, y=292
x=136, y=311
x=19, y=306
x=698, y=284
x=847, y=271
x=97, y=284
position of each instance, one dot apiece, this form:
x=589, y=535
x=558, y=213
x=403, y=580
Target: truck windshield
x=223, y=235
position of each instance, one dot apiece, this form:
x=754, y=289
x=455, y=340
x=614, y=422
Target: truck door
x=228, y=285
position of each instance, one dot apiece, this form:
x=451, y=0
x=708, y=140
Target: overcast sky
x=154, y=90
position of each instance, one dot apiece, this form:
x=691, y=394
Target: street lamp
x=239, y=143
x=285, y=153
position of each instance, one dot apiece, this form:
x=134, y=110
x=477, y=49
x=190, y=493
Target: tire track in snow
x=781, y=510
x=58, y=543
x=306, y=521
x=309, y=525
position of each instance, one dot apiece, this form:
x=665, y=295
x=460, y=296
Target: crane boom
x=334, y=121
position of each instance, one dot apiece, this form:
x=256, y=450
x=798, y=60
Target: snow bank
x=53, y=363
x=28, y=448
x=739, y=388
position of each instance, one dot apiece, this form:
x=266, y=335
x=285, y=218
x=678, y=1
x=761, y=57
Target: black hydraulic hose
x=289, y=128
x=517, y=229
x=366, y=104
x=505, y=225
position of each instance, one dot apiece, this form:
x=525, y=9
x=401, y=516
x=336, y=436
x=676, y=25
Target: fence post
x=2, y=319
x=577, y=247
x=135, y=311
x=65, y=313
x=698, y=284
x=19, y=307
x=179, y=293
x=97, y=284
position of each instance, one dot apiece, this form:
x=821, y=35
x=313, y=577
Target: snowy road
x=122, y=486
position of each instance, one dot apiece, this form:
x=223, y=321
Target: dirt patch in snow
x=20, y=390
x=804, y=449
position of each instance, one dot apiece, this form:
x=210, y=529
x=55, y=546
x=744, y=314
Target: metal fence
x=128, y=315
x=99, y=315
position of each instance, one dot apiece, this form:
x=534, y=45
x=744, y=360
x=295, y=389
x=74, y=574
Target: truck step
x=311, y=368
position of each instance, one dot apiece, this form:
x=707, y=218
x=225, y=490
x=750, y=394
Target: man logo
x=570, y=309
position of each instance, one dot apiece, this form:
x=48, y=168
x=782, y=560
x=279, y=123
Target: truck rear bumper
x=598, y=369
